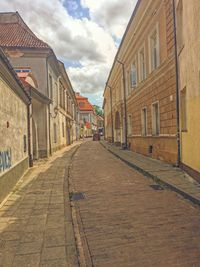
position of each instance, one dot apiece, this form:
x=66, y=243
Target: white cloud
x=113, y=15
x=90, y=42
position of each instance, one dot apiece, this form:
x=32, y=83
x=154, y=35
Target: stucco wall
x=189, y=58
x=13, y=130
x=38, y=68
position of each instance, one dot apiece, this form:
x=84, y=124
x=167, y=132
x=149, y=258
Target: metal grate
x=77, y=196
x=156, y=187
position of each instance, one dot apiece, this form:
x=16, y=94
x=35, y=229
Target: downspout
x=125, y=109
x=111, y=112
x=112, y=128
x=50, y=149
x=177, y=88
x=29, y=134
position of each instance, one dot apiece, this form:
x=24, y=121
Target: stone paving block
x=54, y=253
x=53, y=240
x=30, y=247
x=54, y=263
x=31, y=260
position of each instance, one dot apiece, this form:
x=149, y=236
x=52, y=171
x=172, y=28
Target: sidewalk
x=35, y=220
x=163, y=173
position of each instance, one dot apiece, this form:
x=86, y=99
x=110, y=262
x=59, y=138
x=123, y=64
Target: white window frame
x=141, y=79
x=131, y=74
x=128, y=86
x=144, y=121
x=153, y=32
x=154, y=128
x=130, y=128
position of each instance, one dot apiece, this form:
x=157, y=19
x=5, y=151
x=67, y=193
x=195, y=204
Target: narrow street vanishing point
x=118, y=219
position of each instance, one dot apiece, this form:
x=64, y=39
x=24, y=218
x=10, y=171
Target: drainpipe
x=125, y=110
x=29, y=134
x=49, y=111
x=177, y=87
x=112, y=128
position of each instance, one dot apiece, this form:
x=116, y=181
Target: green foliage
x=98, y=110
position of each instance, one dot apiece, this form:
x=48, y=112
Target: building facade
x=87, y=116
x=140, y=95
x=15, y=126
x=28, y=53
x=188, y=44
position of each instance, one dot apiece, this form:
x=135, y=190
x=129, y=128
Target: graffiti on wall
x=5, y=160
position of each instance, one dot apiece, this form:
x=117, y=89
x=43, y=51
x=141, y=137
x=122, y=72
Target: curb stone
x=156, y=178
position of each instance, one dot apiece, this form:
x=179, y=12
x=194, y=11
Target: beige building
x=140, y=95
x=14, y=128
x=188, y=51
x=29, y=54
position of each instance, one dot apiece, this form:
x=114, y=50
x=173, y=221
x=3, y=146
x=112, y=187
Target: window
x=133, y=75
x=63, y=129
x=155, y=119
x=142, y=65
x=129, y=124
x=25, y=144
x=55, y=133
x=144, y=121
x=127, y=83
x=50, y=87
x=183, y=110
x=154, y=50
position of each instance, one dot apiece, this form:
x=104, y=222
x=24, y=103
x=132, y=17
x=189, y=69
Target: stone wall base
x=11, y=177
x=160, y=147
x=195, y=174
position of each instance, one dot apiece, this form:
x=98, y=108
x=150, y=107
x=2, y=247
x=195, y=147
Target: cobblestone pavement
x=124, y=222
x=35, y=221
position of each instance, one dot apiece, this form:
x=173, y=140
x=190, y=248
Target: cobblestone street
x=121, y=221
x=124, y=222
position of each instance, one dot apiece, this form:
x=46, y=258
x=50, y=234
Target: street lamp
x=112, y=129
x=125, y=111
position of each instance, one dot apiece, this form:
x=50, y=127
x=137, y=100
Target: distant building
x=15, y=153
x=52, y=124
x=88, y=120
x=188, y=50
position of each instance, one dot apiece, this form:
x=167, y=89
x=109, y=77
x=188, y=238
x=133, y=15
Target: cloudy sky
x=84, y=34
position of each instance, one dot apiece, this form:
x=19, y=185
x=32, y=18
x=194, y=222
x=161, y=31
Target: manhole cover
x=156, y=187
x=77, y=196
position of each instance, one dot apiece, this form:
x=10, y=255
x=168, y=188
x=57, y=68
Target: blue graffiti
x=5, y=160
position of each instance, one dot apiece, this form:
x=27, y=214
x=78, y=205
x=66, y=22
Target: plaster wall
x=189, y=58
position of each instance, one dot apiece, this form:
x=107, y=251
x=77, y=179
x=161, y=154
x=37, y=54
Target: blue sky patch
x=76, y=10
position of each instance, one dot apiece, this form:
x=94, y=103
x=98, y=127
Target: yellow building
x=188, y=50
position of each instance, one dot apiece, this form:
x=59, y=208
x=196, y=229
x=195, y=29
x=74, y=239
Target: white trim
x=139, y=63
x=152, y=117
x=155, y=30
x=146, y=124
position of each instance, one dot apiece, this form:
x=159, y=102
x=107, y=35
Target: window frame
x=151, y=57
x=131, y=74
x=144, y=72
x=130, y=125
x=154, y=123
x=144, y=124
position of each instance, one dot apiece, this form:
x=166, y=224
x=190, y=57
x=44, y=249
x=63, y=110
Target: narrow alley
x=126, y=222
x=119, y=220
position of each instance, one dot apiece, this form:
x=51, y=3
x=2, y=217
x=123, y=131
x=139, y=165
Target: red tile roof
x=17, y=34
x=83, y=103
